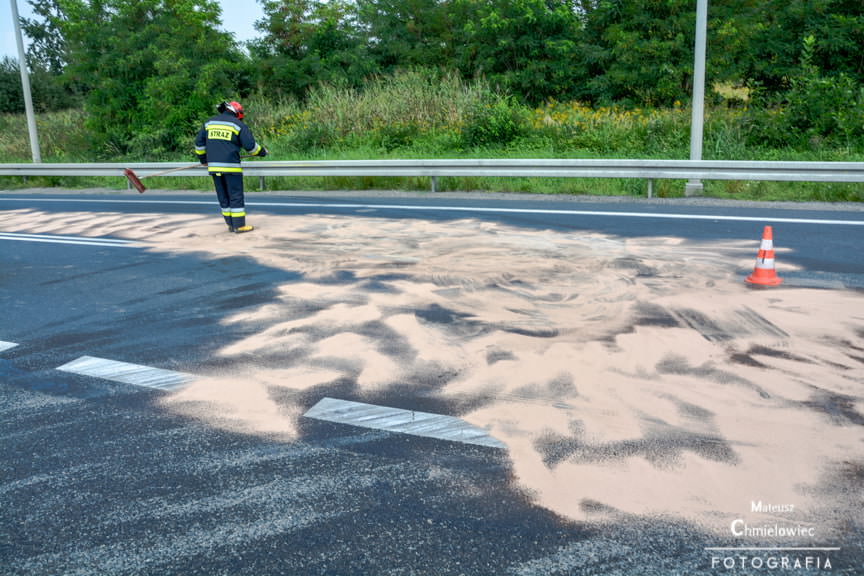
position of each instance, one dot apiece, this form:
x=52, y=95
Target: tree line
x=145, y=71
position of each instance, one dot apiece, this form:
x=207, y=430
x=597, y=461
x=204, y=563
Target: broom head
x=134, y=180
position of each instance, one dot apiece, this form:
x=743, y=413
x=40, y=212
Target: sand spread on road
x=626, y=376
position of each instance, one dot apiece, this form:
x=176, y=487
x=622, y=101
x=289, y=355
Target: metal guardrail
x=539, y=168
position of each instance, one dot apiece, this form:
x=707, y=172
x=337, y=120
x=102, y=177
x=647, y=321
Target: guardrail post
x=650, y=188
x=260, y=183
x=693, y=188
x=434, y=184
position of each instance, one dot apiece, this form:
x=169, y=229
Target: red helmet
x=236, y=108
x=233, y=107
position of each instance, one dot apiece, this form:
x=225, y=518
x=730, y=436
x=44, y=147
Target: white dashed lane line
x=7, y=345
x=403, y=421
x=371, y=416
x=127, y=373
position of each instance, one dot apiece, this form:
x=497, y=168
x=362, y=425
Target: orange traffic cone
x=763, y=273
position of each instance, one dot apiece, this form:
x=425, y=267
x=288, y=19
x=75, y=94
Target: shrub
x=816, y=111
x=48, y=90
x=492, y=122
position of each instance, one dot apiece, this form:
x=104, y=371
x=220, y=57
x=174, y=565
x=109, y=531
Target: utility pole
x=25, y=86
x=697, y=119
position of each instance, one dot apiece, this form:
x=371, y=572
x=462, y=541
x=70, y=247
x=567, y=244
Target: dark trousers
x=229, y=191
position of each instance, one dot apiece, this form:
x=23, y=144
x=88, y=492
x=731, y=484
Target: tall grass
x=62, y=137
x=423, y=114
x=390, y=113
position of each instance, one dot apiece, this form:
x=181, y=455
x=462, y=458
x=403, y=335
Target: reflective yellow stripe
x=213, y=169
x=221, y=131
x=224, y=125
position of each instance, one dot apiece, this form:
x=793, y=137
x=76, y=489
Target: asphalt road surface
x=98, y=477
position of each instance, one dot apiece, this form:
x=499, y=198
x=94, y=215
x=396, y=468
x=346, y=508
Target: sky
x=238, y=17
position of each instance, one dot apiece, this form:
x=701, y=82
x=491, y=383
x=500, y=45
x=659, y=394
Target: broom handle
x=172, y=170
x=190, y=166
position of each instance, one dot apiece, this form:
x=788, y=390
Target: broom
x=135, y=180
x=136, y=183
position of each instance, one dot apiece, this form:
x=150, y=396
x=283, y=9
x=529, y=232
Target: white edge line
x=61, y=237
x=80, y=243
x=65, y=239
x=550, y=211
x=479, y=209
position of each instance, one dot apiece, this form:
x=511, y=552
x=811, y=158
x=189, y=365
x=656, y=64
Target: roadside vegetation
x=364, y=79
x=419, y=114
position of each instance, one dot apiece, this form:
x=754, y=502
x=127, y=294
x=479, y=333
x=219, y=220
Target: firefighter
x=218, y=146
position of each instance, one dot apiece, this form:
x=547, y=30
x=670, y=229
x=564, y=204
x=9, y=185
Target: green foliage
x=62, y=136
x=774, y=49
x=613, y=130
x=406, y=33
x=47, y=91
x=815, y=108
x=425, y=114
x=151, y=68
x=640, y=52
x=11, y=96
x=448, y=77
x=492, y=122
x=309, y=43
x=387, y=113
x=526, y=48
x=46, y=43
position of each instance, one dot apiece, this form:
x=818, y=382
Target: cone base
x=768, y=281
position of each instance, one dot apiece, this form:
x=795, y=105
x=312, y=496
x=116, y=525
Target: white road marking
x=127, y=373
x=475, y=209
x=84, y=241
x=550, y=211
x=399, y=420
x=7, y=345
